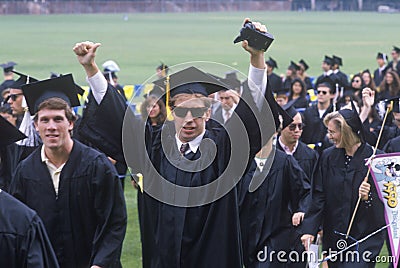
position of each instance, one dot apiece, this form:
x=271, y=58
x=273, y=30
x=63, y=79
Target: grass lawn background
x=41, y=44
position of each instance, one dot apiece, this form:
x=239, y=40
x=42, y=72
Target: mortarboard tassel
x=167, y=96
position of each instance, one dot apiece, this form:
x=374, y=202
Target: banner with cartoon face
x=385, y=170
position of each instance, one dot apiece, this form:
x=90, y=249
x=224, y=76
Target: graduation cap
x=191, y=80
x=8, y=66
x=352, y=118
x=305, y=65
x=232, y=80
x=62, y=87
x=328, y=81
x=272, y=63
x=328, y=60
x=290, y=110
x=281, y=92
x=294, y=66
x=78, y=88
x=383, y=56
x=396, y=104
x=9, y=133
x=277, y=111
x=22, y=80
x=258, y=40
x=164, y=68
x=396, y=49
x=337, y=60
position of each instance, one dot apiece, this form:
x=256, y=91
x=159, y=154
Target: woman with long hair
x=153, y=111
x=339, y=180
x=390, y=85
x=297, y=94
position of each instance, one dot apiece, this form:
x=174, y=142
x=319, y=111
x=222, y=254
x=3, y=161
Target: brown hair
x=186, y=96
x=56, y=104
x=348, y=137
x=160, y=118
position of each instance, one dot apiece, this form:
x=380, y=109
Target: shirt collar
x=286, y=148
x=193, y=144
x=43, y=155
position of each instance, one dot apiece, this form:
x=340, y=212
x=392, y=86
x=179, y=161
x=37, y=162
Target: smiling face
x=153, y=109
x=334, y=133
x=54, y=128
x=190, y=125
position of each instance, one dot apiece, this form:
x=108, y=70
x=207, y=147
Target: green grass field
x=41, y=44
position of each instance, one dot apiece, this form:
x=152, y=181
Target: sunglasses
x=13, y=96
x=323, y=92
x=196, y=112
x=357, y=81
x=292, y=127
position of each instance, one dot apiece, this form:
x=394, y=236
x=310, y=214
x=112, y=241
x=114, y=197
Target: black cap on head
x=9, y=133
x=383, y=56
x=258, y=40
x=191, y=80
x=395, y=104
x=62, y=87
x=327, y=81
x=272, y=63
x=291, y=111
x=328, y=60
x=281, y=92
x=305, y=65
x=78, y=88
x=232, y=81
x=337, y=60
x=396, y=49
x=294, y=66
x=22, y=80
x=277, y=111
x=352, y=118
x=8, y=66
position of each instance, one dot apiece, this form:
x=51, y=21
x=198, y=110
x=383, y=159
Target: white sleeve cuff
x=257, y=84
x=98, y=85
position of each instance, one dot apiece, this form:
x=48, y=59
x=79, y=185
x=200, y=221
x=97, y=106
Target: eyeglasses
x=323, y=92
x=292, y=127
x=13, y=96
x=196, y=112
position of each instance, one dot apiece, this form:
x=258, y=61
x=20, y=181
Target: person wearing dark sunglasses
x=185, y=236
x=289, y=142
x=314, y=131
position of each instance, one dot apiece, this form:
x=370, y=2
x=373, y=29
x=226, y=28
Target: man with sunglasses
x=314, y=131
x=289, y=142
x=176, y=233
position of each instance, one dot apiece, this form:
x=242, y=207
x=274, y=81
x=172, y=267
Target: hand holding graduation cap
x=85, y=53
x=257, y=56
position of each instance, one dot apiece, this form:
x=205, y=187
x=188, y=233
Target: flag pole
x=369, y=170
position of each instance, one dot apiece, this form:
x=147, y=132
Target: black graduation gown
x=334, y=196
x=392, y=146
x=202, y=236
x=343, y=79
x=378, y=77
x=86, y=223
x=300, y=102
x=266, y=214
x=314, y=130
x=101, y=124
x=388, y=133
x=275, y=81
x=394, y=66
x=23, y=238
x=306, y=157
x=307, y=82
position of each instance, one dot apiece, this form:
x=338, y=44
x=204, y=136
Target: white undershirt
x=54, y=171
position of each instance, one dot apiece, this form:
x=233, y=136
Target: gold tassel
x=167, y=96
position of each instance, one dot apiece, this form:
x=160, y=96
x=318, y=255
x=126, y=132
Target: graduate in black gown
x=337, y=184
x=23, y=238
x=73, y=188
x=274, y=80
x=179, y=231
x=270, y=214
x=314, y=131
x=392, y=146
x=8, y=77
x=288, y=141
